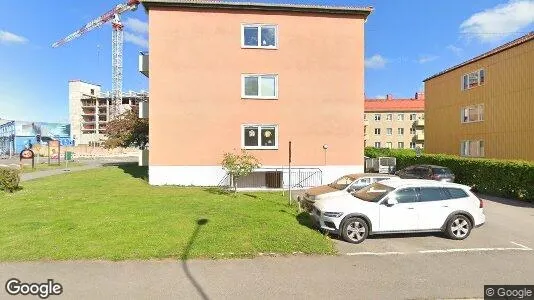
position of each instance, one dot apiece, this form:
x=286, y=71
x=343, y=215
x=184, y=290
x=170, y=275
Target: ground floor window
x=259, y=137
x=377, y=144
x=412, y=145
x=401, y=145
x=472, y=148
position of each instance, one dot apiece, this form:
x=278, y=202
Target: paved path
x=88, y=164
x=375, y=274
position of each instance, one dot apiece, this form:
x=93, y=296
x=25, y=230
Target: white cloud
x=376, y=62
x=11, y=38
x=500, y=21
x=380, y=97
x=136, y=39
x=454, y=49
x=423, y=59
x=136, y=25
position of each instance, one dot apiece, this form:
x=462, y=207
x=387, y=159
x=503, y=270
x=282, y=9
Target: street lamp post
x=325, y=147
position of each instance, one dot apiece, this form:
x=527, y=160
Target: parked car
x=430, y=172
x=399, y=206
x=341, y=186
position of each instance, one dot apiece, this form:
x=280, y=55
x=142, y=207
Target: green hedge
x=506, y=178
x=9, y=179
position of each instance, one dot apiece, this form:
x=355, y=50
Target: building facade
x=90, y=110
x=227, y=76
x=395, y=123
x=484, y=107
x=15, y=136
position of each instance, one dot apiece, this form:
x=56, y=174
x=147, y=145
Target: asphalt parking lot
x=508, y=228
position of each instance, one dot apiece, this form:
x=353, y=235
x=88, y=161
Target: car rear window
x=441, y=171
x=457, y=193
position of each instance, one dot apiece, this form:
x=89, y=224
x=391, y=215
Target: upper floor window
x=400, y=117
x=400, y=145
x=259, y=36
x=389, y=131
x=472, y=148
x=389, y=117
x=377, y=117
x=413, y=117
x=255, y=86
x=400, y=131
x=259, y=136
x=377, y=131
x=473, y=113
x=473, y=79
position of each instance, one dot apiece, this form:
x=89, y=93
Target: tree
x=239, y=165
x=127, y=130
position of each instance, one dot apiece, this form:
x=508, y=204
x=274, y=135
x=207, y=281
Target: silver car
x=343, y=185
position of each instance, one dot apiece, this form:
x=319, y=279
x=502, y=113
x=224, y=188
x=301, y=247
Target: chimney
x=389, y=97
x=419, y=96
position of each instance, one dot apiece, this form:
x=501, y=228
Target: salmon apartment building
x=226, y=76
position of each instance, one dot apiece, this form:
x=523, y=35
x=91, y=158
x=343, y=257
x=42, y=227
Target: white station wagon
x=400, y=206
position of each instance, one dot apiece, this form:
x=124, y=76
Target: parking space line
x=521, y=248
x=375, y=253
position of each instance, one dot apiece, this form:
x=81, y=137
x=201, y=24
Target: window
x=473, y=113
x=259, y=36
x=389, y=131
x=428, y=194
x=455, y=193
x=413, y=117
x=412, y=145
x=389, y=145
x=472, y=148
x=401, y=145
x=412, y=130
x=377, y=131
x=259, y=86
x=377, y=144
x=259, y=137
x=406, y=195
x=473, y=79
x=377, y=117
x=400, y=117
x=92, y=91
x=389, y=117
x=365, y=116
x=400, y=131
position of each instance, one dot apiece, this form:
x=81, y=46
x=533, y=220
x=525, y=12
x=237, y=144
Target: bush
x=9, y=179
x=506, y=178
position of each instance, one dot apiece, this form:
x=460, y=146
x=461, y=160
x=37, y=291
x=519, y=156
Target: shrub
x=239, y=165
x=9, y=179
x=506, y=178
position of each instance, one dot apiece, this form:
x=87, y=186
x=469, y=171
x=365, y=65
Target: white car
x=341, y=186
x=400, y=206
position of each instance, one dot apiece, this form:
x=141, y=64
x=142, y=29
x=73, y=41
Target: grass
x=112, y=213
x=27, y=168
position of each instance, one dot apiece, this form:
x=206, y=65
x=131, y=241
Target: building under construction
x=90, y=109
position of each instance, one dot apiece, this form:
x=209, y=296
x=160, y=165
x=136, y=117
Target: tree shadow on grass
x=304, y=219
x=132, y=169
x=185, y=256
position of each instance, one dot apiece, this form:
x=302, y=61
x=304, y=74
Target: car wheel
x=459, y=227
x=355, y=230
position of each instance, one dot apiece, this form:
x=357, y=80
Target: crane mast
x=117, y=44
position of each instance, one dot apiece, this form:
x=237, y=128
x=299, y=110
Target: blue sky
x=406, y=41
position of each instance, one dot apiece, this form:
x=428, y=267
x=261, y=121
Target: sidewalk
x=41, y=174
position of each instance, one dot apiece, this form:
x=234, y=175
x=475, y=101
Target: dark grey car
x=430, y=172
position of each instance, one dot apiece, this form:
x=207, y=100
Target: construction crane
x=117, y=42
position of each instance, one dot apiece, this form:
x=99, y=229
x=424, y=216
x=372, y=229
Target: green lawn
x=27, y=168
x=112, y=213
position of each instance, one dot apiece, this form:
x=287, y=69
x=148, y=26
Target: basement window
x=259, y=136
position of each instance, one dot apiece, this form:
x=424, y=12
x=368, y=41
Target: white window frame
x=412, y=145
x=259, y=25
x=474, y=73
x=378, y=117
x=399, y=145
x=465, y=148
x=413, y=130
x=413, y=117
x=259, y=147
x=400, y=131
x=243, y=96
x=378, y=145
x=389, y=131
x=480, y=113
x=378, y=130
x=400, y=117
x=389, y=117
x=389, y=145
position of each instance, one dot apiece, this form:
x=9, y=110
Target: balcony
x=420, y=123
x=419, y=136
x=143, y=63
